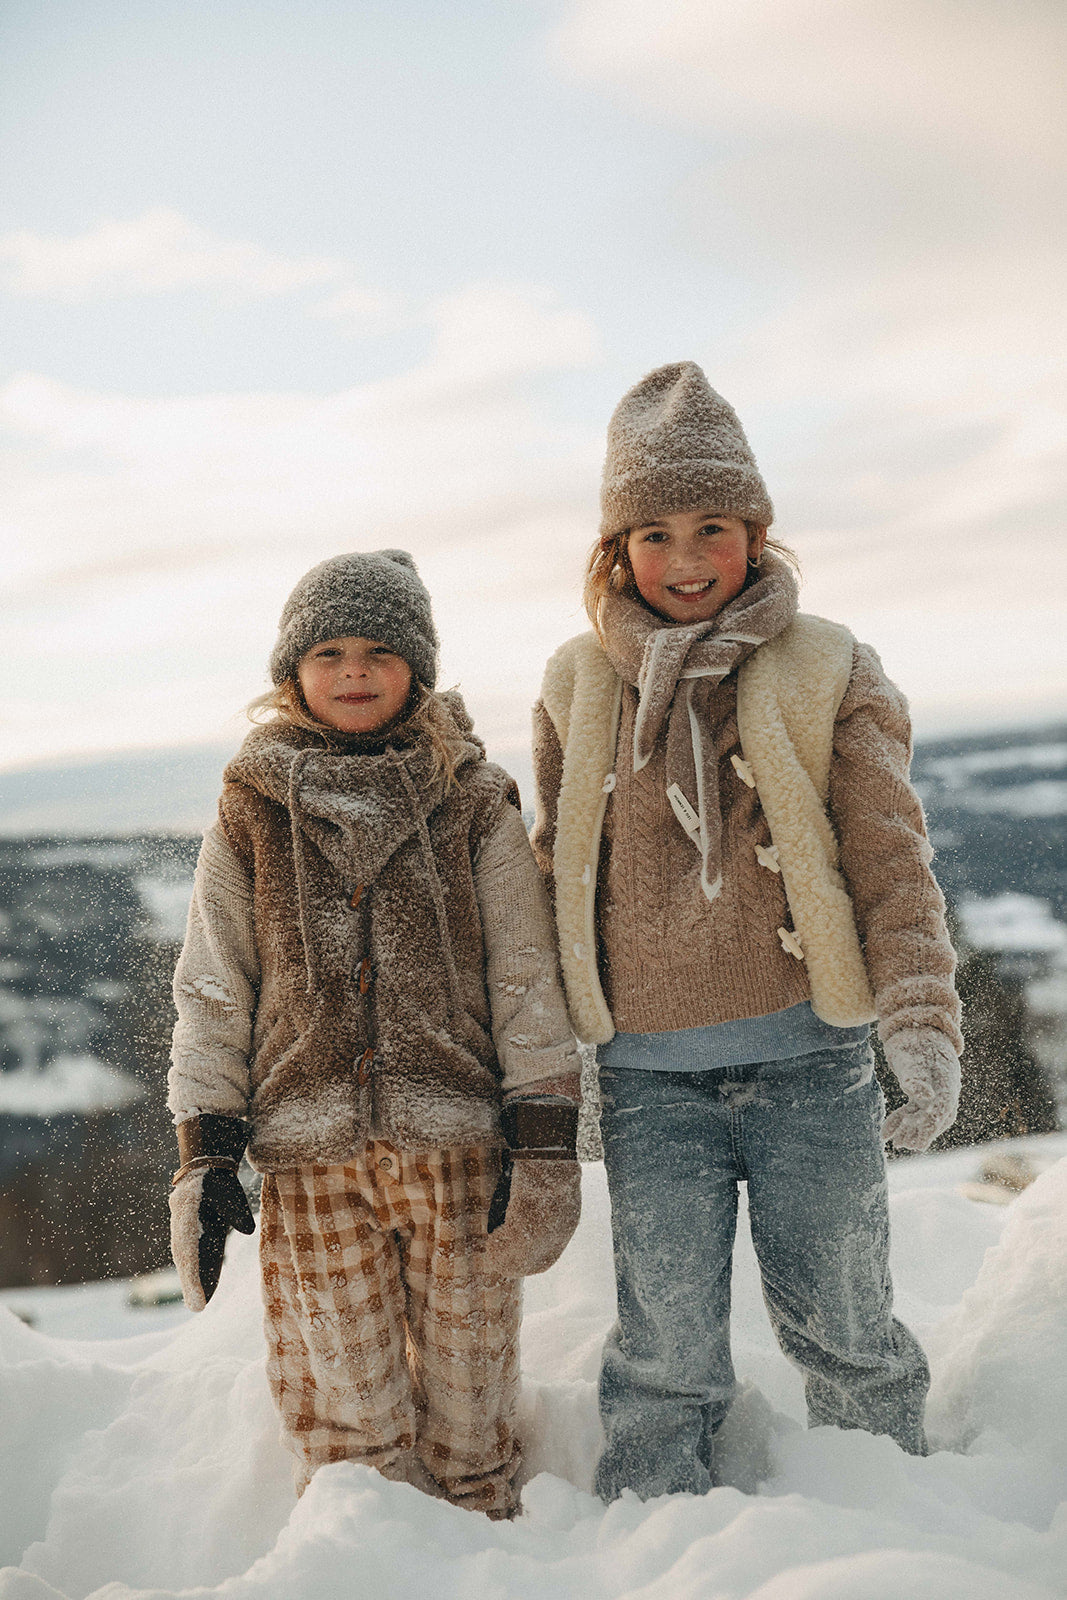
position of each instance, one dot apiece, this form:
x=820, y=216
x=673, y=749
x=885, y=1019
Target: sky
x=283, y=280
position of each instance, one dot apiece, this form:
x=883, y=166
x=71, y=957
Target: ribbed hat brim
x=634, y=498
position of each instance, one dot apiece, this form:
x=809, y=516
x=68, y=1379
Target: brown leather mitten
x=206, y=1201
x=538, y=1201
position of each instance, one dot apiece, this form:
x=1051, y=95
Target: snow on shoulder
x=142, y=1468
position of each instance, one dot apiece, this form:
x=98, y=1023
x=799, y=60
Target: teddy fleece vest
x=373, y=1018
x=788, y=695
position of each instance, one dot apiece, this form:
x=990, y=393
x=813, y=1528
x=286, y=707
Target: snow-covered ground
x=146, y=1464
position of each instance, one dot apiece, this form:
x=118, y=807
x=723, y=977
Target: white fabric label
x=683, y=811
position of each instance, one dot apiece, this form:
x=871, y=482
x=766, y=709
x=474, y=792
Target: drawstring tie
x=300, y=761
x=434, y=881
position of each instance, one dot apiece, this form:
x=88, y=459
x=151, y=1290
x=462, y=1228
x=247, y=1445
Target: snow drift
x=148, y=1467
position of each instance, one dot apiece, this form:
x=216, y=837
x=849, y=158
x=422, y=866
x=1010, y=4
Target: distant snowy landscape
x=145, y=1465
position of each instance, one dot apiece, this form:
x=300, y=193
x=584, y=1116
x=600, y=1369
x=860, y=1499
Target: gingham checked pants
x=387, y=1342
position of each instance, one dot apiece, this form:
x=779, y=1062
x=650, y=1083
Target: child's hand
x=206, y=1201
x=538, y=1200
x=928, y=1070
x=542, y=1214
x=204, y=1206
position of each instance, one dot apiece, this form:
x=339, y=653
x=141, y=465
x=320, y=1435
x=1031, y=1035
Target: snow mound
x=149, y=1467
x=1007, y=1339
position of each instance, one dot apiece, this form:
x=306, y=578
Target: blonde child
x=742, y=885
x=367, y=995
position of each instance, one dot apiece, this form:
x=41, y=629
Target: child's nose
x=686, y=554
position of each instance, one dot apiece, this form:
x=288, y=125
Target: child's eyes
x=332, y=651
x=658, y=535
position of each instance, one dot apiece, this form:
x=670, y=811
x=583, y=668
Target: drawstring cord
x=300, y=761
x=434, y=881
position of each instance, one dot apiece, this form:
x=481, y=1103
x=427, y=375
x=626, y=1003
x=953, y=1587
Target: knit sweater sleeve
x=531, y=1030
x=548, y=775
x=215, y=989
x=885, y=858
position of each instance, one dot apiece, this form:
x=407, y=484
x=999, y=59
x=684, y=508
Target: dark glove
x=538, y=1200
x=206, y=1201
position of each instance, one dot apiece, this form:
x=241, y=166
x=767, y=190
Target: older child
x=369, y=972
x=742, y=885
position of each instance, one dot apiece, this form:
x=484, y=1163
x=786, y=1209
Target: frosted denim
x=796, y=1031
x=804, y=1133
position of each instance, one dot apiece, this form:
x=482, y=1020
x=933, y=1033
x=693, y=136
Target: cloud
x=848, y=135
x=357, y=312
x=158, y=252
x=156, y=537
x=922, y=397
x=491, y=334
x=918, y=70
x=455, y=443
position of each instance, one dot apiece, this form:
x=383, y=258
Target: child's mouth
x=691, y=591
x=356, y=699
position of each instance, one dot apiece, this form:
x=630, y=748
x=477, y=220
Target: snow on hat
x=374, y=594
x=676, y=445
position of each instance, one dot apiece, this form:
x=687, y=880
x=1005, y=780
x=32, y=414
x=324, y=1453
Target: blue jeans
x=805, y=1134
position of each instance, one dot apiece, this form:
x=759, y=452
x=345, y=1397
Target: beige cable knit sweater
x=668, y=958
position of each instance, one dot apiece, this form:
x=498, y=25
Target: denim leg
x=667, y=1379
x=820, y=1225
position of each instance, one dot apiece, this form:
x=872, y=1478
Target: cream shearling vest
x=788, y=694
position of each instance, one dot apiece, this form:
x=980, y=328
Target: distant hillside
x=997, y=805
x=143, y=791
x=150, y=791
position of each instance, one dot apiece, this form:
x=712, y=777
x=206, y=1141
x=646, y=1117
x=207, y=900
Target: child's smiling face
x=690, y=564
x=354, y=685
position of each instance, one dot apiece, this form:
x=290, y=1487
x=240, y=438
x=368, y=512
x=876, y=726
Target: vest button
x=363, y=1071
x=364, y=975
x=356, y=896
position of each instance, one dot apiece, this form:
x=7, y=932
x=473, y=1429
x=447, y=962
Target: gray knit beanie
x=676, y=445
x=374, y=594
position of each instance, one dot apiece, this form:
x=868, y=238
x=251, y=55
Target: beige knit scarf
x=677, y=668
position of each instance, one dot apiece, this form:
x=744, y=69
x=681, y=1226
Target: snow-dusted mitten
x=928, y=1070
x=206, y=1201
x=538, y=1201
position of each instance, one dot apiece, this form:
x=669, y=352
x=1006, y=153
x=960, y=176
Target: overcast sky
x=282, y=280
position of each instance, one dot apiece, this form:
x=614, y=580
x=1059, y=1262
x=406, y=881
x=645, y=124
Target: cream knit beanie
x=676, y=445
